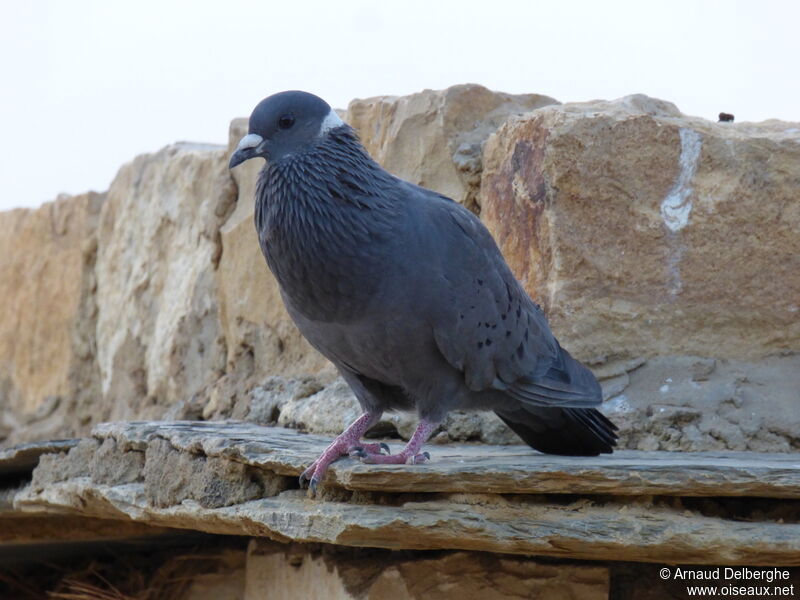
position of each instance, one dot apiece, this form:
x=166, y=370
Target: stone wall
x=664, y=248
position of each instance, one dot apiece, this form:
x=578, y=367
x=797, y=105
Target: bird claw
x=357, y=452
x=312, y=476
x=418, y=459
x=361, y=452
x=309, y=481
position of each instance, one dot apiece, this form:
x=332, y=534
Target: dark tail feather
x=564, y=431
x=567, y=383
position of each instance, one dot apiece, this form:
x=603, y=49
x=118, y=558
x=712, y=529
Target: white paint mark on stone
x=331, y=122
x=677, y=206
x=663, y=389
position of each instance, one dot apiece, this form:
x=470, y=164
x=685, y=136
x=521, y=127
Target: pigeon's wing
x=487, y=326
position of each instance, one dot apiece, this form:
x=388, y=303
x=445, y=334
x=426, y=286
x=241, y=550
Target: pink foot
x=344, y=444
x=364, y=450
x=410, y=455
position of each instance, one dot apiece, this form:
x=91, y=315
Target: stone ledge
x=240, y=479
x=476, y=468
x=24, y=457
x=580, y=529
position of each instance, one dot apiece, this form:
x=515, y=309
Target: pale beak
x=250, y=146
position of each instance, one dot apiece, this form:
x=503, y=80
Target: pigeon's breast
x=329, y=266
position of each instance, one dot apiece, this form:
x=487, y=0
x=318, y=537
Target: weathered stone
x=63, y=466
x=212, y=477
x=47, y=322
x=158, y=334
x=225, y=581
x=644, y=232
x=688, y=403
x=435, y=138
x=467, y=576
x=171, y=477
x=266, y=401
x=54, y=529
x=330, y=410
x=638, y=531
x=113, y=466
x=295, y=572
x=471, y=468
x=23, y=458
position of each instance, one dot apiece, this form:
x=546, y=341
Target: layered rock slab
x=476, y=468
x=500, y=501
x=578, y=530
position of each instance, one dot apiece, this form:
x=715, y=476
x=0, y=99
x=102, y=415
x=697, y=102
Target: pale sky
x=86, y=85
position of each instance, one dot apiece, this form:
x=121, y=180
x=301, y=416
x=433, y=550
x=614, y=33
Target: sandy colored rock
x=170, y=477
x=278, y=577
x=47, y=322
x=435, y=138
x=159, y=338
x=295, y=572
x=475, y=577
x=112, y=465
x=645, y=232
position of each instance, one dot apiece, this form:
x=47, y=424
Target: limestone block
x=645, y=232
x=159, y=338
x=47, y=323
x=435, y=138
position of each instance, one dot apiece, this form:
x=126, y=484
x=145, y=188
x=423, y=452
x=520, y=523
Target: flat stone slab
x=637, y=531
x=240, y=479
x=23, y=458
x=475, y=468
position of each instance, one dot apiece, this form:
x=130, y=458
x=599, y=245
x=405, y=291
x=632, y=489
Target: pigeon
x=406, y=292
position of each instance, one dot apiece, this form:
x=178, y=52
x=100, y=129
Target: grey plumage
x=404, y=290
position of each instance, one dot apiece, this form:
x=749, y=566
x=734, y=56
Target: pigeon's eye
x=286, y=121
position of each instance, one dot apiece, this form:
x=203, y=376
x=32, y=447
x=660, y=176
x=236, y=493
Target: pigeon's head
x=284, y=124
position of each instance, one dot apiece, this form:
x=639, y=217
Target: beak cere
x=247, y=148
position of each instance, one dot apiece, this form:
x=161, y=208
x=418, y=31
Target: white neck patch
x=332, y=121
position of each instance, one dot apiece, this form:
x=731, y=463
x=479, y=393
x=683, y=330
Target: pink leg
x=410, y=454
x=343, y=445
